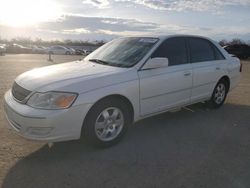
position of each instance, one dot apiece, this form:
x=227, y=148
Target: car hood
x=65, y=74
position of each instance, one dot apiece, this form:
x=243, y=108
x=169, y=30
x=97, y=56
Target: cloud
x=75, y=31
x=193, y=5
x=121, y=33
x=98, y=28
x=92, y=24
x=82, y=27
x=72, y=26
x=97, y=3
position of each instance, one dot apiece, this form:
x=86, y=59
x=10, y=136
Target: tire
x=219, y=94
x=101, y=127
x=67, y=53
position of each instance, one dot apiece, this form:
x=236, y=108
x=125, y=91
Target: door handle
x=187, y=73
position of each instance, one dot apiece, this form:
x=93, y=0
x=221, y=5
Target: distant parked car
x=79, y=52
x=2, y=49
x=83, y=52
x=60, y=50
x=39, y=49
x=72, y=50
x=87, y=52
x=240, y=50
x=18, y=49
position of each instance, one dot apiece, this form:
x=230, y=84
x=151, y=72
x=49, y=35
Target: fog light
x=39, y=131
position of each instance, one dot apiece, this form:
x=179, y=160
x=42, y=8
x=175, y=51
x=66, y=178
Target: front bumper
x=45, y=125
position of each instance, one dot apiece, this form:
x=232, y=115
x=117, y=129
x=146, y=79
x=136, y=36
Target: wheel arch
x=227, y=79
x=118, y=97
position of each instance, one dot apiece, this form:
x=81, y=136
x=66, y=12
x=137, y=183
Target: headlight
x=52, y=100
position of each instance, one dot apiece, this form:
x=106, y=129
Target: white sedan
x=60, y=50
x=125, y=80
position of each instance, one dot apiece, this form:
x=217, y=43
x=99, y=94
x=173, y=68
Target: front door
x=166, y=87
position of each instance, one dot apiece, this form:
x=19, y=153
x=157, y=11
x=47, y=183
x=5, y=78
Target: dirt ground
x=195, y=147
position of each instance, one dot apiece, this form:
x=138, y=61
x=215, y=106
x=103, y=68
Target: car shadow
x=189, y=148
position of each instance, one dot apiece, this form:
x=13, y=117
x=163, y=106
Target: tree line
x=69, y=42
x=235, y=41
x=41, y=42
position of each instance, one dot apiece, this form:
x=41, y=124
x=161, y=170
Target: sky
x=107, y=19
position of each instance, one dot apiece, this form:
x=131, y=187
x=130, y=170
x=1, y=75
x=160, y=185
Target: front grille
x=19, y=92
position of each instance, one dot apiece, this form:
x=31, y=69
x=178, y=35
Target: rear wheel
x=219, y=94
x=106, y=122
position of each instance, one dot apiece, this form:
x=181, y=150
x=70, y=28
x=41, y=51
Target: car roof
x=162, y=36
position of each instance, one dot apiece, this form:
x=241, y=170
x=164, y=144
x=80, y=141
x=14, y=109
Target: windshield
x=123, y=52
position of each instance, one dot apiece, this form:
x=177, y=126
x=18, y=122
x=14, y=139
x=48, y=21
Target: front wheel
x=219, y=94
x=106, y=122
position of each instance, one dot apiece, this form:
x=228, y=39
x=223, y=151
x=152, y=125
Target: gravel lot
x=190, y=148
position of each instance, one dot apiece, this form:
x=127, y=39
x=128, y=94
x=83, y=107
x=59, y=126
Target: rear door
x=166, y=87
x=208, y=66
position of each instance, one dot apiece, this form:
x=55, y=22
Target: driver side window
x=174, y=49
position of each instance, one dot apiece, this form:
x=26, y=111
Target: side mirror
x=156, y=62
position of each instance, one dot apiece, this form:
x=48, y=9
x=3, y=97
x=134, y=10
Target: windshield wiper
x=107, y=63
x=118, y=65
x=99, y=61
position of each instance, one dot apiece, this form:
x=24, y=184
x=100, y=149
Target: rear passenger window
x=174, y=49
x=217, y=53
x=200, y=50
